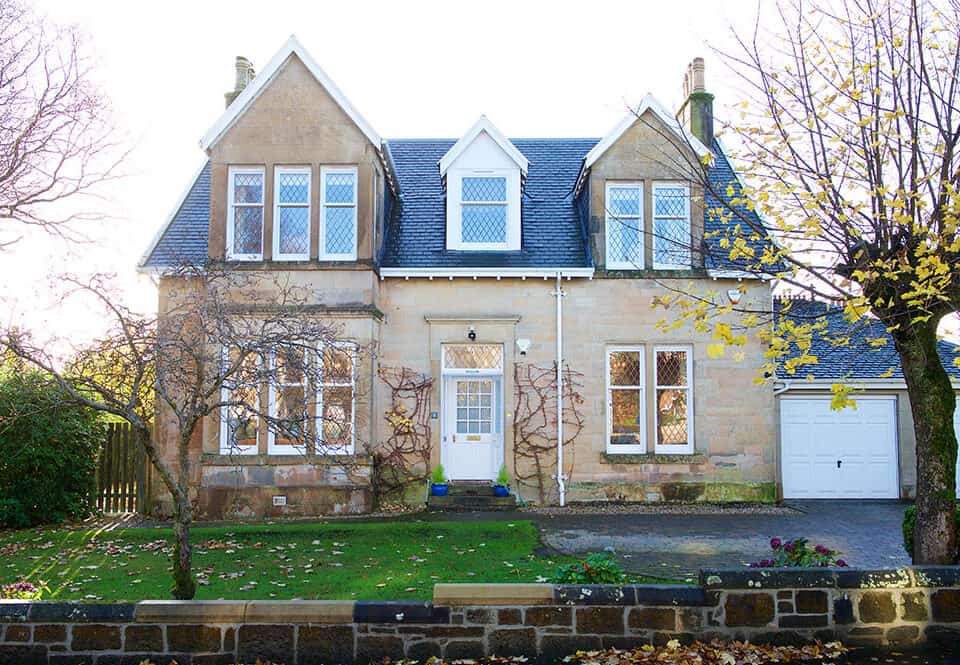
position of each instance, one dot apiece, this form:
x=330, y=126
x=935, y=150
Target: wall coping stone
x=64, y=612
x=390, y=611
x=161, y=611
x=828, y=578
x=493, y=594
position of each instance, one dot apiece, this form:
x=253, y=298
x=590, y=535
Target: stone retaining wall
x=894, y=608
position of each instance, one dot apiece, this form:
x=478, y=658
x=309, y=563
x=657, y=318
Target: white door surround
x=839, y=454
x=471, y=405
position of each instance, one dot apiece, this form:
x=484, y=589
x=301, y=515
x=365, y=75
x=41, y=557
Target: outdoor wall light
x=472, y=334
x=523, y=344
x=734, y=295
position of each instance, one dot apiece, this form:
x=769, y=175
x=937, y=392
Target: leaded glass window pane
x=338, y=230
x=474, y=419
x=337, y=416
x=339, y=187
x=293, y=187
x=625, y=368
x=472, y=356
x=673, y=396
x=247, y=230
x=624, y=201
x=337, y=364
x=487, y=189
x=248, y=188
x=626, y=427
x=484, y=223
x=241, y=390
x=294, y=230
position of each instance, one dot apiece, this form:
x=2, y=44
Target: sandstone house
x=479, y=264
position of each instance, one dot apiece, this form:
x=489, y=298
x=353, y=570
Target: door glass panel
x=471, y=418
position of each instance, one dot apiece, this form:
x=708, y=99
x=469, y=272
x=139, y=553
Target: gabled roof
x=857, y=360
x=183, y=237
x=483, y=126
x=553, y=234
x=261, y=80
x=648, y=103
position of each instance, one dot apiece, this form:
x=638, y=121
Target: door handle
x=838, y=463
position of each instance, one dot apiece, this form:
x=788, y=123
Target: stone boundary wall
x=884, y=608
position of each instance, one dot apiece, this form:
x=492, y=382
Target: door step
x=470, y=498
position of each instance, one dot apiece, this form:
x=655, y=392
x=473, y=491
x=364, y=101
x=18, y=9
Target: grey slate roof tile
x=185, y=239
x=857, y=360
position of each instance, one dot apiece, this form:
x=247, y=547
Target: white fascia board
x=141, y=264
x=261, y=80
x=648, y=103
x=799, y=384
x=485, y=272
x=483, y=125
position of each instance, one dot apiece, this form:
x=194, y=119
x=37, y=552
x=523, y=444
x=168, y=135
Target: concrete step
x=468, y=502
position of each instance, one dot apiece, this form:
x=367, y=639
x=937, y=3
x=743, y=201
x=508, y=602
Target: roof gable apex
x=648, y=103
x=239, y=105
x=483, y=126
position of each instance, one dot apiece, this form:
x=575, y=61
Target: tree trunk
x=932, y=403
x=184, y=586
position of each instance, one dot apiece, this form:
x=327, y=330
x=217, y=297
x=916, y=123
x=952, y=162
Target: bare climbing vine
x=404, y=458
x=535, y=425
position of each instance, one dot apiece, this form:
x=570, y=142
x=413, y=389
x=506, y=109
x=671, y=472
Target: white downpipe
x=561, y=487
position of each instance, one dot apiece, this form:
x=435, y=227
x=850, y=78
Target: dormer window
x=483, y=173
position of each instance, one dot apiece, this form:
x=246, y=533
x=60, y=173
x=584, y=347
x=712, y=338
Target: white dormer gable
x=484, y=174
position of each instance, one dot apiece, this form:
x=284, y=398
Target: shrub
x=48, y=452
x=597, y=568
x=503, y=477
x=798, y=554
x=438, y=477
x=910, y=521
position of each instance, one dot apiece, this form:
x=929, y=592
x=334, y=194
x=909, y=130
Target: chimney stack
x=697, y=109
x=244, y=74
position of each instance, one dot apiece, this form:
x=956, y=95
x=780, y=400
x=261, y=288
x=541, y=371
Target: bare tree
x=849, y=133
x=211, y=351
x=55, y=135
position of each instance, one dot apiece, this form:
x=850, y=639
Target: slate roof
x=858, y=360
x=552, y=235
x=185, y=238
x=554, y=227
x=716, y=258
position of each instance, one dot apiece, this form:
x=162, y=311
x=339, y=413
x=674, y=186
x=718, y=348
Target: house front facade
x=461, y=274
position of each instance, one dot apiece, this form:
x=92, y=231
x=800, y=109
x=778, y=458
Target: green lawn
x=371, y=560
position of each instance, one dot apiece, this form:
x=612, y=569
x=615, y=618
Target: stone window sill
x=216, y=459
x=617, y=458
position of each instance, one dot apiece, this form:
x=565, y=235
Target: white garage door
x=848, y=454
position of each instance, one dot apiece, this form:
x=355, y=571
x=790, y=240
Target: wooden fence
x=122, y=476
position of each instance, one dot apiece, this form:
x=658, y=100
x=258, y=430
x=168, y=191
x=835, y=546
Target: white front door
x=839, y=454
x=472, y=436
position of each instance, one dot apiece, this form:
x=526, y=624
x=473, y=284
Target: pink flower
x=775, y=543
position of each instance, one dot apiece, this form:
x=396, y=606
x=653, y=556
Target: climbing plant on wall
x=403, y=459
x=535, y=425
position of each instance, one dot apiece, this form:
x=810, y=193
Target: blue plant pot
x=501, y=491
x=438, y=489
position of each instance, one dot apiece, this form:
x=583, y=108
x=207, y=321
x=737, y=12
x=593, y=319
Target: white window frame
x=653, y=207
x=455, y=205
x=277, y=173
x=274, y=448
x=324, y=171
x=225, y=447
x=232, y=172
x=350, y=448
x=687, y=449
x=611, y=219
x=640, y=448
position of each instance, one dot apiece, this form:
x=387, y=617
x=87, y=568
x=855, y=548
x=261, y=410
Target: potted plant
x=501, y=486
x=438, y=482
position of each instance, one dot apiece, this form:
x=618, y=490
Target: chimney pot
x=244, y=73
x=697, y=111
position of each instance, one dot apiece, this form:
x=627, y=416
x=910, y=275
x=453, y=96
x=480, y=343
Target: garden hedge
x=48, y=451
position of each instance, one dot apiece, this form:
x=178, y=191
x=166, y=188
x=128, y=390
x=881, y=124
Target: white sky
x=413, y=69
